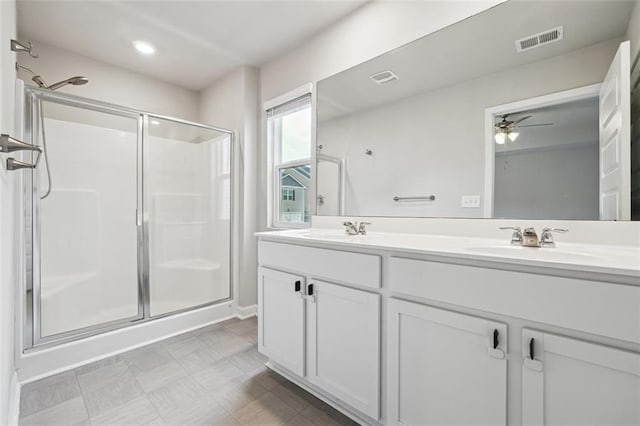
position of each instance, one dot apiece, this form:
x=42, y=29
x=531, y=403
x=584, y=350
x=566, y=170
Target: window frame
x=274, y=189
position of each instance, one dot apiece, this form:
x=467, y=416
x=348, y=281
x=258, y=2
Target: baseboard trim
x=14, y=400
x=245, y=312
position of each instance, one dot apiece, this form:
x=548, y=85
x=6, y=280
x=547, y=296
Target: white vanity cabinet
x=570, y=381
x=441, y=355
x=326, y=333
x=444, y=367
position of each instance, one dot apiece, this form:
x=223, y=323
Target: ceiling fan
x=506, y=129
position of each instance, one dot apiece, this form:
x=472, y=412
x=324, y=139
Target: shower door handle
x=138, y=218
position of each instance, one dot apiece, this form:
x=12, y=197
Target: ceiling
x=196, y=41
x=477, y=46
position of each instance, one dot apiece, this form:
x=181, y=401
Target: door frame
x=565, y=96
x=32, y=339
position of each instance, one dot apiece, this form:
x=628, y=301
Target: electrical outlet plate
x=470, y=201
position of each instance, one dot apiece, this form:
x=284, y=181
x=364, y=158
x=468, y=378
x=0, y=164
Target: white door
x=615, y=142
x=574, y=382
x=445, y=367
x=344, y=344
x=281, y=318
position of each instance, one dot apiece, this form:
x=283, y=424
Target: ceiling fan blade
x=522, y=119
x=537, y=125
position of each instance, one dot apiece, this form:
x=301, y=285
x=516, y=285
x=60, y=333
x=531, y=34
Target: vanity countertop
x=612, y=261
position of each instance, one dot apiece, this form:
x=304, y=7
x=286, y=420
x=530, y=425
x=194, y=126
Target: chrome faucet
x=530, y=238
x=352, y=228
x=516, y=237
x=546, y=238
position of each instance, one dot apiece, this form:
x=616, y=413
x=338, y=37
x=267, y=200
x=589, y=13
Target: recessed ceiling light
x=144, y=47
x=155, y=122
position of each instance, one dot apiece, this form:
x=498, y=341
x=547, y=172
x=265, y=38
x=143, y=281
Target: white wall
x=7, y=218
x=232, y=102
x=433, y=143
x=110, y=84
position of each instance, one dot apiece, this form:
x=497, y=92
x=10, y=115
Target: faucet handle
x=546, y=238
x=516, y=237
x=560, y=230
x=362, y=230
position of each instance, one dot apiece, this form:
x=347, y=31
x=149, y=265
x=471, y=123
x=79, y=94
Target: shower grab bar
x=422, y=198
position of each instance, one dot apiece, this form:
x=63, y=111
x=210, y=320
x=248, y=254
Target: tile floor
x=210, y=376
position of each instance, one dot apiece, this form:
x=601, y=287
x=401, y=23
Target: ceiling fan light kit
x=506, y=129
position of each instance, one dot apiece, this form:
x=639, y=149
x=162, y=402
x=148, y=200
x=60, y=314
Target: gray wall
x=232, y=102
x=110, y=84
x=548, y=183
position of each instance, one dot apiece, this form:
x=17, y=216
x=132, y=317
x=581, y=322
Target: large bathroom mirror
x=522, y=111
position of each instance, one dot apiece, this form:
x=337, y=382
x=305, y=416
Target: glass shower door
x=188, y=214
x=85, y=241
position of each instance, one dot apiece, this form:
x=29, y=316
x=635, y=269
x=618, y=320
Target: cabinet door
x=569, y=381
x=281, y=318
x=344, y=344
x=445, y=367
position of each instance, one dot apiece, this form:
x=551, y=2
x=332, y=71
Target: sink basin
x=552, y=254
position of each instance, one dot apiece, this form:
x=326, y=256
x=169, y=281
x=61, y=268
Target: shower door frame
x=32, y=337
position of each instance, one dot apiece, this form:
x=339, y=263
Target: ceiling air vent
x=383, y=77
x=540, y=39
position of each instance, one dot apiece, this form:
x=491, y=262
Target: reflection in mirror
x=526, y=120
x=558, y=150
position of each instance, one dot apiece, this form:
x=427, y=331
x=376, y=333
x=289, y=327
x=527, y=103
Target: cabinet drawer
x=340, y=266
x=605, y=309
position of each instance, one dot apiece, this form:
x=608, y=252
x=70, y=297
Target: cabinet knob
x=297, y=285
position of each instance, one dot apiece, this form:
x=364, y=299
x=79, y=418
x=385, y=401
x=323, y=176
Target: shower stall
x=129, y=219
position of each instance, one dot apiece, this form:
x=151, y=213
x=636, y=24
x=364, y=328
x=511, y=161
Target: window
x=288, y=194
x=290, y=135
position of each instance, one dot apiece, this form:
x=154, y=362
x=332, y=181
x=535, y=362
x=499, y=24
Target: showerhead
x=76, y=81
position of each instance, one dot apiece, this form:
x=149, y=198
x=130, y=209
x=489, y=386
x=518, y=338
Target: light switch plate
x=470, y=201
